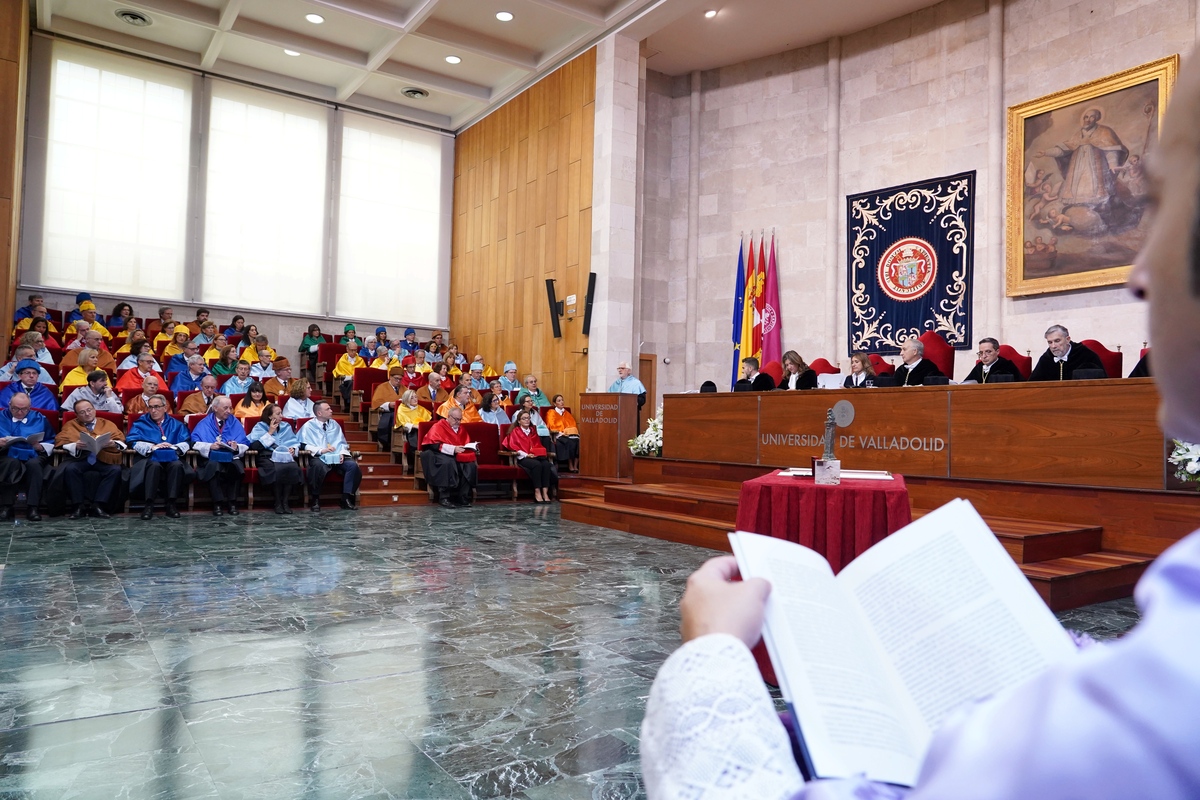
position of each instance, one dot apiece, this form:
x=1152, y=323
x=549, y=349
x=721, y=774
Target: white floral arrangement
x=649, y=441
x=1186, y=460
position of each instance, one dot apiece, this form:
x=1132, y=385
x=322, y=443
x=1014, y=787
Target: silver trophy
x=827, y=469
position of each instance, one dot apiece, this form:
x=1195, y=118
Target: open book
x=93, y=444
x=33, y=438
x=873, y=660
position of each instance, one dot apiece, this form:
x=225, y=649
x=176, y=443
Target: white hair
x=1057, y=329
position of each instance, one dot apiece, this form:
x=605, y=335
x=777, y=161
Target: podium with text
x=607, y=422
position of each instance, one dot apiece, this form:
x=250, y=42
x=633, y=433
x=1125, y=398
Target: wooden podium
x=607, y=422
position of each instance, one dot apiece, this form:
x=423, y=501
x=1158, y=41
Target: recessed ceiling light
x=712, y=12
x=453, y=60
x=290, y=53
x=315, y=19
x=504, y=16
x=414, y=93
x=135, y=18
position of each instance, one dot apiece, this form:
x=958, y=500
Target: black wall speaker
x=587, y=304
x=555, y=308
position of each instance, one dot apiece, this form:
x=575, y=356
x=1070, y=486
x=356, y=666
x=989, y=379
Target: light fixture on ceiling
x=315, y=19
x=135, y=18
x=504, y=16
x=712, y=12
x=290, y=53
x=453, y=60
x=414, y=93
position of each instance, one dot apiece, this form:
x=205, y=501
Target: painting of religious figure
x=1077, y=189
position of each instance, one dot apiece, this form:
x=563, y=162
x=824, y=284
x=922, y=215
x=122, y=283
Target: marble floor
x=411, y=653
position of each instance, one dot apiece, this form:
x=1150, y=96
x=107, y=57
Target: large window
x=116, y=191
x=148, y=181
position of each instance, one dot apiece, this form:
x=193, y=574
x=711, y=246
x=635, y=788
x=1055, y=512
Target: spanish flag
x=739, y=302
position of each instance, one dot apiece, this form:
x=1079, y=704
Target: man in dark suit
x=991, y=363
x=759, y=381
x=916, y=368
x=1063, y=357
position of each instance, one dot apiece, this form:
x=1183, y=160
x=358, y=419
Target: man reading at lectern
x=916, y=368
x=628, y=384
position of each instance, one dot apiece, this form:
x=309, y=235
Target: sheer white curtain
x=116, y=192
x=390, y=246
x=264, y=229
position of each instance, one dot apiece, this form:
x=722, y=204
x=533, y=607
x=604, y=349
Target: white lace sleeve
x=711, y=729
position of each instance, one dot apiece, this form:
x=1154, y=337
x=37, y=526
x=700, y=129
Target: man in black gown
x=991, y=363
x=1063, y=357
x=916, y=368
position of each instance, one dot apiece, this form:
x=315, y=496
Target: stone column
x=836, y=274
x=614, y=208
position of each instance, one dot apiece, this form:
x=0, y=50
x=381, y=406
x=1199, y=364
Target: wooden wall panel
x=14, y=49
x=522, y=214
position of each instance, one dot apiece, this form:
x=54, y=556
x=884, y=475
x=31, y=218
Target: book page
x=828, y=669
x=953, y=613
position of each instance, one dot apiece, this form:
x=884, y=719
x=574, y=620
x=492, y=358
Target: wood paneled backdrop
x=14, y=37
x=522, y=214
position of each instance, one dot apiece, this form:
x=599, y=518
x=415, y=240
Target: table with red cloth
x=839, y=522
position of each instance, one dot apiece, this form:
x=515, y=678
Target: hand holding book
x=719, y=601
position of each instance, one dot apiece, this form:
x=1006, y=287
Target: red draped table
x=839, y=522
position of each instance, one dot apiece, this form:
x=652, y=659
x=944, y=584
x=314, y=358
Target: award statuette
x=827, y=470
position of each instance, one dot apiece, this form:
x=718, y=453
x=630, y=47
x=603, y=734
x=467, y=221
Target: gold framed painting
x=1077, y=194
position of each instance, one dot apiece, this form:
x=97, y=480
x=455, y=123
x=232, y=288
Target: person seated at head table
x=121, y=314
x=299, y=404
x=97, y=392
x=253, y=403
x=1063, y=357
x=278, y=448
x=24, y=352
x=408, y=345
x=239, y=382
x=196, y=326
x=227, y=361
x=408, y=415
x=564, y=433
x=91, y=341
x=757, y=381
x=530, y=389
x=88, y=311
x=159, y=441
x=991, y=363
x=154, y=327
x=87, y=361
x=279, y=385
x=433, y=391
x=796, y=373
x=234, y=332
x=448, y=462
x=522, y=439
x=200, y=402
x=167, y=333
x=264, y=367
x=140, y=404
x=310, y=347
x=497, y=388
x=207, y=335
x=35, y=341
x=77, y=313
x=384, y=399
x=493, y=411
x=220, y=442
x=191, y=378
x=349, y=334
x=22, y=464
x=343, y=372
x=1086, y=727
x=508, y=380
x=132, y=379
x=24, y=312
x=131, y=343
x=180, y=340
x=88, y=498
x=133, y=360
x=626, y=383
x=916, y=368
x=26, y=323
x=462, y=401
x=411, y=379
x=324, y=439
x=28, y=373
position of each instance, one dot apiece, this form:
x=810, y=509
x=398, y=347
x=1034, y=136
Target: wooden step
x=714, y=503
x=1066, y=583
x=657, y=524
x=1030, y=541
x=373, y=457
x=371, y=498
x=579, y=493
x=382, y=470
x=387, y=482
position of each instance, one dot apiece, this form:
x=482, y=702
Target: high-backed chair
x=1111, y=359
x=823, y=367
x=938, y=351
x=775, y=370
x=1024, y=364
x=881, y=367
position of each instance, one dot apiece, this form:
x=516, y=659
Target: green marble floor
x=411, y=653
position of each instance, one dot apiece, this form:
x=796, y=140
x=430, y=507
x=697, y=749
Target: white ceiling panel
x=535, y=28
x=387, y=89
x=169, y=31
x=474, y=68
x=349, y=32
x=271, y=58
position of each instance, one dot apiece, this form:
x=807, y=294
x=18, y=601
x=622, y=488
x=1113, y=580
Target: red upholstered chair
x=248, y=423
x=775, y=370
x=823, y=367
x=56, y=317
x=491, y=467
x=53, y=371
x=179, y=398
x=52, y=418
x=1142, y=354
x=221, y=379
x=234, y=399
x=327, y=356
x=881, y=367
x=938, y=351
x=365, y=381
x=1024, y=363
x=1111, y=359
